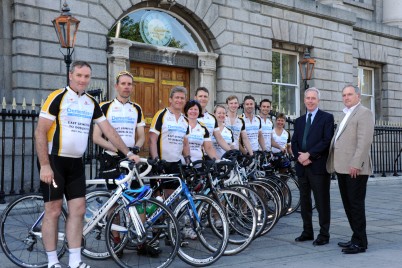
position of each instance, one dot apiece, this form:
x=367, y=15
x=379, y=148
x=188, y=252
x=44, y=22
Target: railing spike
x=14, y=105
x=42, y=102
x=24, y=104
x=4, y=104
x=33, y=105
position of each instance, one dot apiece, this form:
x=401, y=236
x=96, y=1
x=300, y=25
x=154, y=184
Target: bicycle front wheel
x=21, y=234
x=242, y=219
x=94, y=244
x=157, y=249
x=203, y=244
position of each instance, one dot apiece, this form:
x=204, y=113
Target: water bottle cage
x=133, y=195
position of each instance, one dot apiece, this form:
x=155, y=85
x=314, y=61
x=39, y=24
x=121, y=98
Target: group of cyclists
x=185, y=131
x=181, y=133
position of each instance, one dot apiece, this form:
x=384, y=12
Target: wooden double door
x=152, y=85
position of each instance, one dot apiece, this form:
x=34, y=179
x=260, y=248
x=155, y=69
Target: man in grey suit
x=349, y=157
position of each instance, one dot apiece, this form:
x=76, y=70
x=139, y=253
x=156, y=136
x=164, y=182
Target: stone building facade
x=245, y=47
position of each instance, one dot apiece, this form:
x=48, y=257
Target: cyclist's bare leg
x=50, y=224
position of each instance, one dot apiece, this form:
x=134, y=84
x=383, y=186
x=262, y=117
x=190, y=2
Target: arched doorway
x=160, y=57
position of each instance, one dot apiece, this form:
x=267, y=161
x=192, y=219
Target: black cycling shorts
x=69, y=175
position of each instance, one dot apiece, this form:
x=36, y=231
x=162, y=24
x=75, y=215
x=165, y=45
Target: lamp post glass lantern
x=306, y=67
x=66, y=27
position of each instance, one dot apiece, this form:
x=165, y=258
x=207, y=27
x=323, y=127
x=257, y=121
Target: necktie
x=306, y=129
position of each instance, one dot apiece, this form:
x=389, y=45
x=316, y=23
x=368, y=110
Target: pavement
x=278, y=248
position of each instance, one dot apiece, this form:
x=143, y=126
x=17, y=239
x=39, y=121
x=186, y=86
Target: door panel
x=152, y=85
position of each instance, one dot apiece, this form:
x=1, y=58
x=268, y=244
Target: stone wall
x=241, y=32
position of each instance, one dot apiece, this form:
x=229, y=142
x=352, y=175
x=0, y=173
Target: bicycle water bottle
x=140, y=208
x=92, y=208
x=152, y=207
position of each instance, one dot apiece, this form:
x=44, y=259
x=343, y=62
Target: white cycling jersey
x=170, y=133
x=125, y=118
x=72, y=116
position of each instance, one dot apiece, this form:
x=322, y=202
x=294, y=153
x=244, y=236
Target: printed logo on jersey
x=79, y=113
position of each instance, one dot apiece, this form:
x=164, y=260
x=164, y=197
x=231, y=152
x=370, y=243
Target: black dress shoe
x=320, y=242
x=303, y=238
x=345, y=244
x=354, y=249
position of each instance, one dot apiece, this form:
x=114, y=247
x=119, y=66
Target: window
x=285, y=89
x=365, y=81
x=158, y=28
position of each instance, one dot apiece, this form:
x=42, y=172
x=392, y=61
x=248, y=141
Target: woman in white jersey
x=281, y=135
x=198, y=136
x=227, y=134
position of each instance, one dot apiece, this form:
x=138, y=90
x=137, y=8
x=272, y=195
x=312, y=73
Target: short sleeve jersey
x=267, y=127
x=72, y=117
x=170, y=133
x=210, y=122
x=196, y=138
x=227, y=135
x=237, y=127
x=125, y=118
x=253, y=127
x=282, y=140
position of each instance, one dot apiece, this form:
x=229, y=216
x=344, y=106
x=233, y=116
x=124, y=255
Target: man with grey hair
x=310, y=144
x=167, y=135
x=349, y=157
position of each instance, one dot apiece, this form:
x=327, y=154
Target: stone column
x=207, y=75
x=392, y=13
x=118, y=61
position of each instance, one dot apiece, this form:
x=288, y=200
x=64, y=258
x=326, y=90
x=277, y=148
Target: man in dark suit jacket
x=349, y=157
x=310, y=144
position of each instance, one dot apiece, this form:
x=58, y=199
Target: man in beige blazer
x=349, y=157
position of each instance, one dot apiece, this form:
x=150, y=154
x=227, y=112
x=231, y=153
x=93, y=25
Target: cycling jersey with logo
x=210, y=122
x=237, y=127
x=196, y=138
x=125, y=118
x=253, y=127
x=72, y=117
x=227, y=135
x=267, y=127
x=282, y=140
x=170, y=134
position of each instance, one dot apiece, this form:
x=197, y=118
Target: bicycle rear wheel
x=21, y=236
x=129, y=250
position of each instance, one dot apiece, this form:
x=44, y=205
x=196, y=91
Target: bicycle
x=240, y=212
x=19, y=248
x=196, y=212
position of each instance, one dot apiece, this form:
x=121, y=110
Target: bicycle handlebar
x=129, y=165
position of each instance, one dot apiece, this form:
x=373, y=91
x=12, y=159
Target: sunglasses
x=124, y=73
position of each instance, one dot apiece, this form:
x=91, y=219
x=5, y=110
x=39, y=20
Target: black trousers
x=353, y=194
x=319, y=184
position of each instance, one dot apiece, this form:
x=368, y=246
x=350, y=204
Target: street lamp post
x=306, y=67
x=66, y=27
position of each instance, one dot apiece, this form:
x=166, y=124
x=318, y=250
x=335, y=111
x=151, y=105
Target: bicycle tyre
x=209, y=245
x=259, y=204
x=293, y=185
x=242, y=220
x=20, y=245
x=165, y=226
x=273, y=206
x=94, y=242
